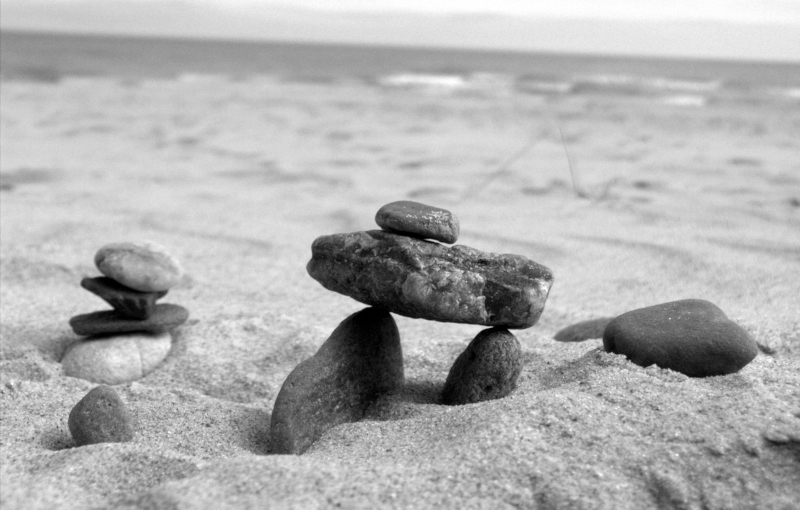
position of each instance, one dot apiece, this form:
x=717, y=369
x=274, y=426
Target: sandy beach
x=237, y=177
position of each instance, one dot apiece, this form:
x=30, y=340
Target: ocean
x=45, y=57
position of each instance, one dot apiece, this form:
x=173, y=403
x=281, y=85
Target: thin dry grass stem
x=473, y=190
x=572, y=169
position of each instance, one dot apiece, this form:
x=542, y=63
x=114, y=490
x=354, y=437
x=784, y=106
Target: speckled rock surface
x=428, y=222
x=164, y=317
x=101, y=417
x=116, y=359
x=487, y=369
x=421, y=279
x=130, y=303
x=361, y=360
x=691, y=336
x=142, y=266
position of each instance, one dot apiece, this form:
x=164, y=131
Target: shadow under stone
x=56, y=439
x=254, y=429
x=405, y=403
x=10, y=180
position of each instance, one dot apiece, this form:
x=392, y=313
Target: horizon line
x=391, y=45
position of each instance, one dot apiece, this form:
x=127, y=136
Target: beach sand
x=238, y=177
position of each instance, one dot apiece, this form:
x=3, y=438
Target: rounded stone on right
x=487, y=369
x=425, y=221
x=691, y=336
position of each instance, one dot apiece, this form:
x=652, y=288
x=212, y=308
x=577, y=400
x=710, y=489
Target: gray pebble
x=488, y=369
x=428, y=222
x=585, y=330
x=100, y=417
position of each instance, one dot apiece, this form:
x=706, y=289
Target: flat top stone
x=428, y=222
x=427, y=280
x=164, y=317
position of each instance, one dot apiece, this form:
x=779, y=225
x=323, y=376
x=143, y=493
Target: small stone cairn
x=128, y=342
x=404, y=269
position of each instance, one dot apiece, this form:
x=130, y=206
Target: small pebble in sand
x=428, y=222
x=116, y=359
x=144, y=266
x=360, y=361
x=100, y=417
x=488, y=369
x=163, y=318
x=585, y=330
x=130, y=303
x=691, y=336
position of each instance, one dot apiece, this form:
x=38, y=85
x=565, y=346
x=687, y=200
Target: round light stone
x=142, y=266
x=116, y=359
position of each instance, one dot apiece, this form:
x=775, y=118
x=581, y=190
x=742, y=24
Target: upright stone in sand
x=361, y=360
x=486, y=370
x=426, y=280
x=406, y=217
x=100, y=417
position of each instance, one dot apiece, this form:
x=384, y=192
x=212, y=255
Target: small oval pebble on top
x=142, y=266
x=428, y=222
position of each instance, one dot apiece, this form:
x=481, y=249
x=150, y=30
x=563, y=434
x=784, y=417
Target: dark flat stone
x=428, y=222
x=164, y=318
x=488, y=369
x=585, y=330
x=100, y=417
x=130, y=303
x=360, y=361
x=691, y=336
x=426, y=280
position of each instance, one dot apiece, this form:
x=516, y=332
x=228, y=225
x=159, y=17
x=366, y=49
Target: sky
x=732, y=29
x=724, y=10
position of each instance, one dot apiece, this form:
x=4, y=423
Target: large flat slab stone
x=427, y=280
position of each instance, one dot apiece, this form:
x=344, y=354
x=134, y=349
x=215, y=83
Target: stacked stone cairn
x=405, y=269
x=128, y=342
